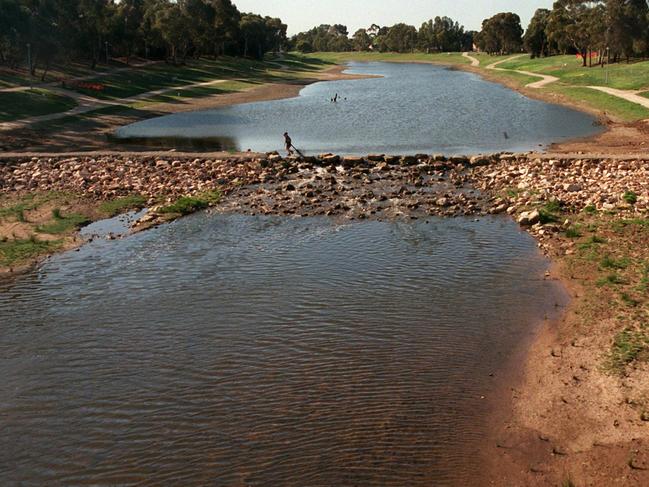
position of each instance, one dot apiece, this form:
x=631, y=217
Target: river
x=410, y=108
x=236, y=350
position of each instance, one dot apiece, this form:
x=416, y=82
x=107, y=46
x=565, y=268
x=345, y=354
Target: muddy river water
x=236, y=350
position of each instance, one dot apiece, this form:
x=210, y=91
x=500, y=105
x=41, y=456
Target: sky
x=301, y=15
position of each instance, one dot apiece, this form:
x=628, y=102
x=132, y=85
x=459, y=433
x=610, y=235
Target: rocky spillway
x=375, y=186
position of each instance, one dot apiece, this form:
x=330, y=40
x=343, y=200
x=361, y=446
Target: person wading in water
x=289, y=143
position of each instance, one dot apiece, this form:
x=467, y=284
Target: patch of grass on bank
x=14, y=252
x=612, y=266
x=609, y=262
x=629, y=345
x=121, y=205
x=550, y=212
x=598, y=100
x=15, y=105
x=62, y=224
x=573, y=232
x=521, y=80
x=186, y=205
x=437, y=58
x=32, y=201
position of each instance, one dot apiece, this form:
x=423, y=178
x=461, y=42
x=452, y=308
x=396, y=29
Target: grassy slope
x=238, y=75
x=569, y=70
x=20, y=77
x=22, y=104
x=341, y=57
x=160, y=76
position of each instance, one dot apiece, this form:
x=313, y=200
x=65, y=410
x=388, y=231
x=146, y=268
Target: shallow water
x=231, y=350
x=413, y=108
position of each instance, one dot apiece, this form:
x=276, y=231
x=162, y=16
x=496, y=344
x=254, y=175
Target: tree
x=323, y=38
x=174, y=28
x=535, y=40
x=401, y=38
x=626, y=27
x=14, y=21
x=501, y=34
x=575, y=25
x=361, y=40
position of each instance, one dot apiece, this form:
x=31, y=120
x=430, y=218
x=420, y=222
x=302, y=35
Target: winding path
x=474, y=61
x=544, y=81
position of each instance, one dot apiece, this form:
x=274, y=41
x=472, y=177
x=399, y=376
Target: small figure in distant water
x=506, y=135
x=336, y=98
x=288, y=143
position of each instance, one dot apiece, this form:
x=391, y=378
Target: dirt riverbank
x=579, y=413
x=618, y=138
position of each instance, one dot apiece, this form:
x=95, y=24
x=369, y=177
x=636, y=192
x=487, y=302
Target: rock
x=408, y=160
x=443, y=202
x=477, y=161
x=529, y=218
x=391, y=159
x=376, y=157
x=352, y=161
x=572, y=187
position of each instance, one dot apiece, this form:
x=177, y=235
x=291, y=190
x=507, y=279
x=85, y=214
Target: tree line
x=614, y=29
x=441, y=34
x=49, y=31
x=599, y=30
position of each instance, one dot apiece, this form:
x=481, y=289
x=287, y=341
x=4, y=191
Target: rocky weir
x=527, y=186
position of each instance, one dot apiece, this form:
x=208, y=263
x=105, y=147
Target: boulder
x=529, y=218
x=408, y=160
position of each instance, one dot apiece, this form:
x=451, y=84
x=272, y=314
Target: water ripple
x=231, y=350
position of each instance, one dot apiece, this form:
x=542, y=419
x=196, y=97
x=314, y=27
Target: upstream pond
x=410, y=108
x=264, y=351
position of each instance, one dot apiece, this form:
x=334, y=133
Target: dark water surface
x=248, y=351
x=412, y=108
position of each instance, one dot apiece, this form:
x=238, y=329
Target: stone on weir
x=391, y=159
x=529, y=218
x=408, y=160
x=350, y=161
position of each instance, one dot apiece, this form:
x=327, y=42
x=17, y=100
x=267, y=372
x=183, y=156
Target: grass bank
x=22, y=104
x=36, y=224
x=128, y=83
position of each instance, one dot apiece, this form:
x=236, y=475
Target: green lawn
x=20, y=77
x=177, y=96
x=520, y=79
x=160, y=76
x=568, y=69
x=438, y=58
x=487, y=59
x=612, y=105
x=23, y=104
